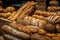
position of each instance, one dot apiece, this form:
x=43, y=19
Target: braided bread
x=27, y=28
x=33, y=21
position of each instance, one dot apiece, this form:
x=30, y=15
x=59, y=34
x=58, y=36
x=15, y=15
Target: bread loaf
x=53, y=19
x=14, y=32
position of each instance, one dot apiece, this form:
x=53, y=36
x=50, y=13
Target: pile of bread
x=41, y=5
x=54, y=6
x=27, y=24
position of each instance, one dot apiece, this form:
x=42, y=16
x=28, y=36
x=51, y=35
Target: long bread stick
x=19, y=11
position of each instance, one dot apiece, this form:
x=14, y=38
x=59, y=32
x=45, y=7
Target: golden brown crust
x=43, y=13
x=27, y=29
x=23, y=10
x=52, y=9
x=53, y=19
x=54, y=3
x=15, y=32
x=50, y=34
x=13, y=14
x=36, y=22
x=39, y=17
x=9, y=9
x=5, y=15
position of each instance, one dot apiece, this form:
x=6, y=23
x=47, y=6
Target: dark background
x=18, y=3
x=15, y=3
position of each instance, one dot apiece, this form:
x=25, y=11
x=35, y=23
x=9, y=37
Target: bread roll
x=50, y=28
x=9, y=9
x=54, y=3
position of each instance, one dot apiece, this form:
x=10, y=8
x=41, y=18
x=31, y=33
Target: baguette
x=26, y=12
x=15, y=32
x=10, y=37
x=19, y=11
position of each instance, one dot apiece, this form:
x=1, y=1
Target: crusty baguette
x=28, y=8
x=26, y=12
x=14, y=32
x=19, y=11
x=24, y=9
x=10, y=37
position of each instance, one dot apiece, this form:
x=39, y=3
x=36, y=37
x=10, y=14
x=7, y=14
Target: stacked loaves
x=18, y=25
x=41, y=5
x=54, y=6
